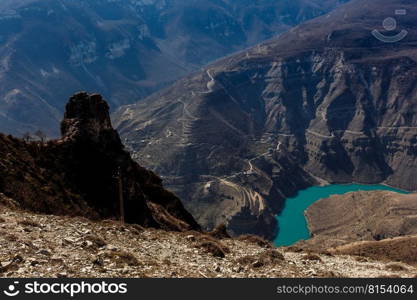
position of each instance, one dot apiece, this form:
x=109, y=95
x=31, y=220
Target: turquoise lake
x=292, y=223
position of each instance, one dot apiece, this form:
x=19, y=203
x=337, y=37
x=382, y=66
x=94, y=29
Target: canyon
x=189, y=181
x=325, y=102
x=59, y=217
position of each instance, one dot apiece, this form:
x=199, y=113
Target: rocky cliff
x=326, y=101
x=87, y=172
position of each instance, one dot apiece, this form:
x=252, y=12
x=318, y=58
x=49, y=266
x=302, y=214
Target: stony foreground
x=34, y=245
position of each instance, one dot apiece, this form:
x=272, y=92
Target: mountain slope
x=87, y=173
x=33, y=246
x=122, y=49
x=326, y=101
x=360, y=216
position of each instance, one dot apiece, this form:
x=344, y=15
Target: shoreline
x=304, y=209
x=324, y=182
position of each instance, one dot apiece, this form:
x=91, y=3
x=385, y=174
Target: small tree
x=27, y=137
x=41, y=135
x=121, y=199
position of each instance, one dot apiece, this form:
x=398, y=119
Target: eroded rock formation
x=85, y=171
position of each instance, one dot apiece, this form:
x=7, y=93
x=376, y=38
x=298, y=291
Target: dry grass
x=390, y=276
x=258, y=264
x=11, y=237
x=273, y=256
x=396, y=267
x=220, y=232
x=97, y=241
x=213, y=248
x=136, y=229
x=27, y=222
x=211, y=245
x=261, y=242
x=402, y=249
x=360, y=259
x=312, y=257
x=122, y=258
x=58, y=249
x=246, y=260
x=267, y=257
x=294, y=249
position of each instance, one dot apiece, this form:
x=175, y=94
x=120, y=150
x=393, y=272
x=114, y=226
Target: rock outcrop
x=326, y=101
x=87, y=172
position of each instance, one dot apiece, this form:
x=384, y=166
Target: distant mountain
x=327, y=101
x=123, y=49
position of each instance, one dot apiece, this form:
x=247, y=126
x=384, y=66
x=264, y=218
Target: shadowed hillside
x=125, y=50
x=85, y=171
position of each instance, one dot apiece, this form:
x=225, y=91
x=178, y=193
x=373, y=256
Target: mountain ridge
x=124, y=50
x=88, y=173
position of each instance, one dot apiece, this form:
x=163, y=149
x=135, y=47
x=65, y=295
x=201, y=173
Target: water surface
x=292, y=223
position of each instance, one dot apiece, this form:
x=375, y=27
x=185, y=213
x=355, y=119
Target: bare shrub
x=220, y=232
x=122, y=257
x=253, y=239
x=30, y=223
x=97, y=241
x=268, y=257
x=396, y=267
x=312, y=257
x=272, y=256
x=213, y=247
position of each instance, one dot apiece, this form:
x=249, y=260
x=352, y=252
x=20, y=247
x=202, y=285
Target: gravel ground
x=34, y=245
